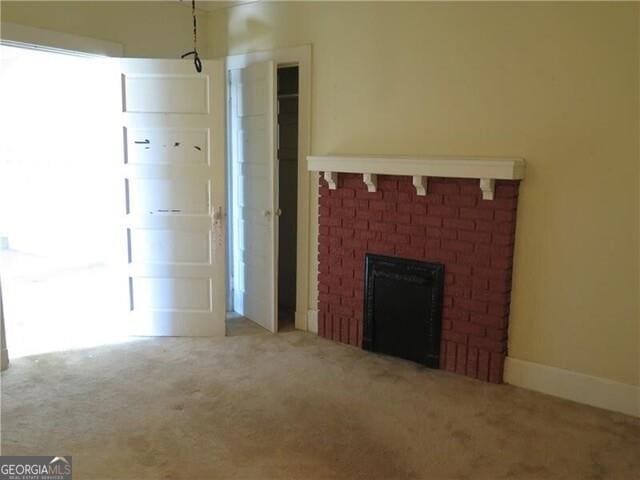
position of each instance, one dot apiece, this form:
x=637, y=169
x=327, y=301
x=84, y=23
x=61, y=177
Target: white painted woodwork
x=578, y=387
x=332, y=179
x=487, y=169
x=459, y=167
x=174, y=170
x=177, y=146
x=24, y=36
x=170, y=246
x=253, y=163
x=307, y=224
x=487, y=185
x=178, y=293
x=371, y=181
x=420, y=183
x=312, y=319
x=184, y=93
x=4, y=352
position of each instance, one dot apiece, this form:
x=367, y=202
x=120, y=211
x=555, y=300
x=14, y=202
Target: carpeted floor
x=256, y=405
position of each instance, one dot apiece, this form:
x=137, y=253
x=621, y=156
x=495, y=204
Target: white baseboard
x=312, y=321
x=4, y=359
x=581, y=388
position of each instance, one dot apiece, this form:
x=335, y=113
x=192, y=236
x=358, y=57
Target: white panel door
x=174, y=168
x=253, y=154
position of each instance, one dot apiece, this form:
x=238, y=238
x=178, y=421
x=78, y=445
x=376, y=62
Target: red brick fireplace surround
x=452, y=225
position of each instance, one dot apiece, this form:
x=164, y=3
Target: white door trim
x=4, y=353
x=307, y=249
x=12, y=34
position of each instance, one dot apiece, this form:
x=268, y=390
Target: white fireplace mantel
x=486, y=169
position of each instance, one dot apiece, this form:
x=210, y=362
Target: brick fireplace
x=449, y=223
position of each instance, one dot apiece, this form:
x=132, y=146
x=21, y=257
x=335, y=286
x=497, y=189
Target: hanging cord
x=194, y=52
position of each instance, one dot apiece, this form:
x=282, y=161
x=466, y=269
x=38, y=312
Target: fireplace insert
x=403, y=308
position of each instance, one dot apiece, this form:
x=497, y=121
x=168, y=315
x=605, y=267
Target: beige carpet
x=256, y=405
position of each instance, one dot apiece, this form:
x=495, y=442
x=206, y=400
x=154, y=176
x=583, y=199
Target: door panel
x=253, y=147
x=179, y=195
x=173, y=127
x=167, y=146
x=166, y=93
x=170, y=246
x=166, y=293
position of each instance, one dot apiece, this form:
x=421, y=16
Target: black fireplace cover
x=403, y=308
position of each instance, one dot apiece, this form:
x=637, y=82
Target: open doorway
x=287, y=167
x=60, y=202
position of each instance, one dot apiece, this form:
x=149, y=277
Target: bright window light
x=61, y=201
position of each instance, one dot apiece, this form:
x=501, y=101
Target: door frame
x=15, y=35
x=306, y=316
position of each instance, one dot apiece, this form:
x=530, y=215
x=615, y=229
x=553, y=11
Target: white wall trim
x=24, y=36
x=4, y=353
x=428, y=166
x=307, y=245
x=487, y=169
x=579, y=387
x=312, y=321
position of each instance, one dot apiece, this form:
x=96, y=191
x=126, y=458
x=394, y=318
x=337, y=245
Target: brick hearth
x=473, y=238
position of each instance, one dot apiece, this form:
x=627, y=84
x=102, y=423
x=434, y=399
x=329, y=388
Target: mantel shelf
x=486, y=169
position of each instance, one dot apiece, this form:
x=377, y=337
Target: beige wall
x=146, y=29
x=554, y=83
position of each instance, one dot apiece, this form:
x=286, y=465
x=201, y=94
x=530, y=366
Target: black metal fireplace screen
x=403, y=308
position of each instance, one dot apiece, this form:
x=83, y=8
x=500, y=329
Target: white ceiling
x=212, y=5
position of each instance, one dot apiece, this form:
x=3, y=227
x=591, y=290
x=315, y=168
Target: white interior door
x=174, y=168
x=254, y=223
